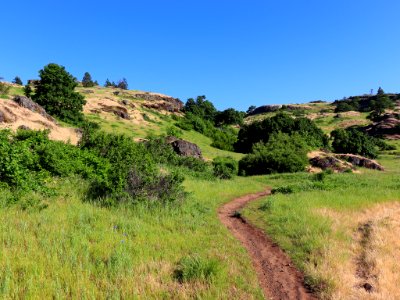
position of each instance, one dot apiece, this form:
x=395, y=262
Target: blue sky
x=238, y=53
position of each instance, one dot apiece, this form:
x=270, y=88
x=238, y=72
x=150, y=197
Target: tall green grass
x=293, y=218
x=70, y=248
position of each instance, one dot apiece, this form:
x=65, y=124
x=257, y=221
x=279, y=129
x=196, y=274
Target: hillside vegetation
x=100, y=205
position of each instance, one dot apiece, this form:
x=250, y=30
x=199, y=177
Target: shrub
x=193, y=268
x=261, y=131
x=55, y=92
x=173, y=131
x=229, y=116
x=353, y=141
x=282, y=153
x=225, y=167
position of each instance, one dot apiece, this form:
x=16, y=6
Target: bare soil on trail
x=277, y=275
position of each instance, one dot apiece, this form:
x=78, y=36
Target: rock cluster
x=184, y=148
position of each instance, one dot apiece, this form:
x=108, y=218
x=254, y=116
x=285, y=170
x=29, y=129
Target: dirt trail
x=278, y=277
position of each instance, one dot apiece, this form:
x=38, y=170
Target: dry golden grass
x=357, y=258
x=17, y=116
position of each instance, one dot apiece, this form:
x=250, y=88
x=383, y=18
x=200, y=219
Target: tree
x=229, y=116
x=107, y=83
x=55, y=92
x=87, y=80
x=201, y=108
x=251, y=109
x=379, y=105
x=28, y=90
x=17, y=80
x=282, y=153
x=353, y=141
x=123, y=84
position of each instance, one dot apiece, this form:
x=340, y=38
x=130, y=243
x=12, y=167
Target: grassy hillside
x=340, y=229
x=319, y=225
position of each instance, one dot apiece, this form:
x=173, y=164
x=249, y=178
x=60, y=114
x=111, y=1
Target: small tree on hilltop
x=123, y=84
x=87, y=80
x=28, y=90
x=379, y=105
x=55, y=92
x=17, y=80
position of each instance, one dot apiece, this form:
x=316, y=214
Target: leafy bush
x=261, y=131
x=55, y=92
x=193, y=268
x=353, y=141
x=201, y=108
x=173, y=131
x=282, y=153
x=229, y=116
x=225, y=167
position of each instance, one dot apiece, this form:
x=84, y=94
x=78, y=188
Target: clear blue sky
x=235, y=52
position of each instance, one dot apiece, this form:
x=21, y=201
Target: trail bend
x=277, y=275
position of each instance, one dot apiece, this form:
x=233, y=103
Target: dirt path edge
x=277, y=275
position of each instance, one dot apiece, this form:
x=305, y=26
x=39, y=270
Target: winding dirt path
x=278, y=277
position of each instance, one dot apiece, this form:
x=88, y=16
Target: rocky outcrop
x=33, y=106
x=119, y=111
x=184, y=148
x=265, y=109
x=388, y=127
x=160, y=102
x=360, y=161
x=329, y=162
x=343, y=162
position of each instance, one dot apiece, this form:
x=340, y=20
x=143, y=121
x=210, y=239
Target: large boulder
x=388, y=127
x=33, y=106
x=119, y=111
x=160, y=102
x=360, y=161
x=265, y=109
x=184, y=148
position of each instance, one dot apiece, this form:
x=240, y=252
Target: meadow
x=319, y=221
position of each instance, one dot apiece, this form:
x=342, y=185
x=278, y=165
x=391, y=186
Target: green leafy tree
x=282, y=153
x=108, y=83
x=201, y=108
x=17, y=80
x=87, y=80
x=353, y=141
x=251, y=109
x=379, y=105
x=229, y=116
x=28, y=90
x=55, y=92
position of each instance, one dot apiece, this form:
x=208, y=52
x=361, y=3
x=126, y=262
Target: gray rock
x=184, y=148
x=33, y=106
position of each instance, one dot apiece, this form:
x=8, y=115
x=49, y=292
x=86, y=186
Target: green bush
x=225, y=167
x=194, y=268
x=261, y=131
x=352, y=140
x=282, y=153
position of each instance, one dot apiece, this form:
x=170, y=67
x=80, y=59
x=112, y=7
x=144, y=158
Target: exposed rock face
x=343, y=162
x=119, y=111
x=163, y=102
x=329, y=162
x=388, y=127
x=24, y=127
x=184, y=148
x=265, y=109
x=360, y=161
x=33, y=106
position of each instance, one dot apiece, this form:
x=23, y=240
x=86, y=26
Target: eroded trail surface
x=278, y=277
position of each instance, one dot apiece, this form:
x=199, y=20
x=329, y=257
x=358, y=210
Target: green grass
x=68, y=248
x=294, y=220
